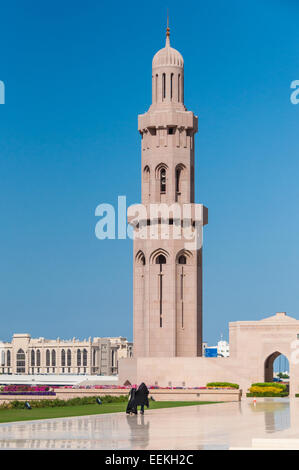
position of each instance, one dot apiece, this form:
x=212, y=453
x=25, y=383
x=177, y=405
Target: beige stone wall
x=253, y=345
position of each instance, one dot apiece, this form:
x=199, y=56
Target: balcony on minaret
x=167, y=129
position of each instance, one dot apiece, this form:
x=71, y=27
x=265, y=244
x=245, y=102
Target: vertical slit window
x=69, y=358
x=163, y=86
x=163, y=180
x=32, y=357
x=8, y=359
x=53, y=358
x=161, y=260
x=63, y=358
x=47, y=357
x=177, y=179
x=179, y=87
x=38, y=358
x=171, y=85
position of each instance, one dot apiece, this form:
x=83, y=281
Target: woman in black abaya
x=131, y=407
x=138, y=398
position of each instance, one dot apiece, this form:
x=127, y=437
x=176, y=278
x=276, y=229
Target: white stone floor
x=218, y=426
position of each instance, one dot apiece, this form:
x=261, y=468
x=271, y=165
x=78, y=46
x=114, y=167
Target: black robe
x=141, y=396
x=131, y=407
x=138, y=397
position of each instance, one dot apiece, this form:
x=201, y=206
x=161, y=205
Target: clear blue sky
x=76, y=75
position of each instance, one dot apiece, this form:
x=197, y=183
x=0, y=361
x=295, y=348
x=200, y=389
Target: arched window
x=53, y=358
x=140, y=258
x=182, y=259
x=146, y=183
x=8, y=362
x=38, y=358
x=161, y=259
x=48, y=358
x=171, y=85
x=163, y=180
x=94, y=357
x=32, y=358
x=63, y=358
x=84, y=357
x=146, y=172
x=156, y=88
x=20, y=362
x=69, y=358
x=78, y=357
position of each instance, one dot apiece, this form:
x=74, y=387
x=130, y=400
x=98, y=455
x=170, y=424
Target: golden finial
x=167, y=29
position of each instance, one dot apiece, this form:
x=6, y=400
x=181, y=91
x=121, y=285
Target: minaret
x=167, y=275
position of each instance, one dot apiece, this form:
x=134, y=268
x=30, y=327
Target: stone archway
x=268, y=368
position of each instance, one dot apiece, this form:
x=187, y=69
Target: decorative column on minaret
x=167, y=275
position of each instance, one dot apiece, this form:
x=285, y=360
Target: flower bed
x=26, y=393
x=25, y=388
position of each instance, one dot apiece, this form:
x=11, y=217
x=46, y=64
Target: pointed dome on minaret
x=168, y=78
x=168, y=56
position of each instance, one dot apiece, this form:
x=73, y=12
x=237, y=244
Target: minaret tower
x=167, y=275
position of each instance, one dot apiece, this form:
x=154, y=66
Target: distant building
x=26, y=355
x=223, y=348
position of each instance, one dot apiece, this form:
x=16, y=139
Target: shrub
x=58, y=402
x=267, y=394
x=278, y=385
x=267, y=389
x=273, y=390
x=222, y=385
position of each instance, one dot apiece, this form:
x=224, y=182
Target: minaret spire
x=167, y=31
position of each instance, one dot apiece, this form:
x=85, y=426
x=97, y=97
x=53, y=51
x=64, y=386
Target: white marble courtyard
x=218, y=426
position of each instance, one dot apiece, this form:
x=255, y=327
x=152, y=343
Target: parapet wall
x=186, y=371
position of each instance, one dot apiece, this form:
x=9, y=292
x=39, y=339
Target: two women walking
x=138, y=398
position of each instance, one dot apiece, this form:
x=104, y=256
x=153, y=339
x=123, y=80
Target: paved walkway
x=218, y=426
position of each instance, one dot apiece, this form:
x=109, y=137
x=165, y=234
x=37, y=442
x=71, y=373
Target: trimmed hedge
x=222, y=384
x=267, y=389
x=267, y=394
x=270, y=384
x=57, y=402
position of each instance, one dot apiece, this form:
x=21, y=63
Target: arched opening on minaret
x=140, y=258
x=182, y=259
x=180, y=192
x=161, y=260
x=146, y=183
x=163, y=86
x=163, y=181
x=179, y=87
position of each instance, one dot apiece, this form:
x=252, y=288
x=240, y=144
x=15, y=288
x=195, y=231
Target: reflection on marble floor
x=217, y=426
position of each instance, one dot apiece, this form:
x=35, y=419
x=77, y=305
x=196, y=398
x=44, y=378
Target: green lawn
x=83, y=410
